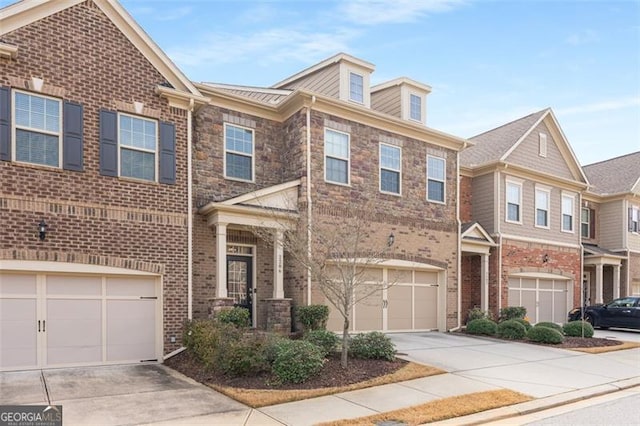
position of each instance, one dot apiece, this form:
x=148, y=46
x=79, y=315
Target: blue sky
x=488, y=62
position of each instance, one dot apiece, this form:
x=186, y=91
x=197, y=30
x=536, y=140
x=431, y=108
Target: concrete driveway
x=126, y=394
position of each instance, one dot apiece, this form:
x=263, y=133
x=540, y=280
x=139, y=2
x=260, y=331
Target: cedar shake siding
x=94, y=216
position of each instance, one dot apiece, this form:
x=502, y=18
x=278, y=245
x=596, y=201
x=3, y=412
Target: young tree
x=338, y=248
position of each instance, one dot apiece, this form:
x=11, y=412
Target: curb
x=541, y=404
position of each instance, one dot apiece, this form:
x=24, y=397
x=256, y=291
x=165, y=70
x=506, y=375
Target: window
x=238, y=156
x=634, y=219
x=356, y=87
x=585, y=222
x=514, y=201
x=138, y=139
x=435, y=179
x=336, y=157
x=567, y=213
x=37, y=121
x=542, y=144
x=390, y=168
x=542, y=208
x=415, y=107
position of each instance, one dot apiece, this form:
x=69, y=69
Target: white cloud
x=583, y=37
x=610, y=105
x=373, y=12
x=173, y=14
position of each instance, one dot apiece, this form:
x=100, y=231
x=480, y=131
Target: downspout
x=499, y=209
x=190, y=212
x=459, y=257
x=309, y=201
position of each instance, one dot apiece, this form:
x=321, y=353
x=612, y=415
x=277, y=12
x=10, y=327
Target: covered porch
x=476, y=245
x=245, y=276
x=602, y=275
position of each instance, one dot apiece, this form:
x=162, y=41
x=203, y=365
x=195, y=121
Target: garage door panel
x=400, y=308
x=74, y=285
x=74, y=331
x=369, y=311
x=335, y=321
x=137, y=287
x=545, y=306
x=426, y=314
x=560, y=307
x=18, y=333
x=528, y=300
x=423, y=277
x=131, y=330
x=17, y=284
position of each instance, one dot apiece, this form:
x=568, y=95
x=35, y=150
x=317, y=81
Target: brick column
x=278, y=315
x=218, y=304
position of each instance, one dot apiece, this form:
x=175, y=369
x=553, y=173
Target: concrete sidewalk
x=552, y=376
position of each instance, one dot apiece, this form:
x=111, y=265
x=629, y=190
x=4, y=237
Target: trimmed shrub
x=511, y=329
x=527, y=324
x=577, y=328
x=313, y=317
x=482, y=326
x=296, y=360
x=206, y=338
x=237, y=316
x=243, y=357
x=477, y=313
x=325, y=340
x=550, y=325
x=512, y=312
x=545, y=335
x=373, y=345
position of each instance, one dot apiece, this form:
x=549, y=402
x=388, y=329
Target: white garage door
x=546, y=300
x=49, y=320
x=409, y=303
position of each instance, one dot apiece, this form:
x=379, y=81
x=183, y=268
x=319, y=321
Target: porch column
x=278, y=268
x=599, y=284
x=616, y=281
x=484, y=282
x=221, y=260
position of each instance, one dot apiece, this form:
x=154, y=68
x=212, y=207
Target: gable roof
x=399, y=82
x=25, y=12
x=616, y=175
x=492, y=145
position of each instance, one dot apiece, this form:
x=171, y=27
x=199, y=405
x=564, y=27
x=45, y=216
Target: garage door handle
x=38, y=326
x=44, y=326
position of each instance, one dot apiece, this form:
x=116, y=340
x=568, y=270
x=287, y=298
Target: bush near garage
x=511, y=329
x=313, y=317
x=482, y=326
x=512, y=312
x=205, y=338
x=545, y=335
x=550, y=325
x=325, y=340
x=237, y=316
x=243, y=356
x=577, y=328
x=373, y=345
x=477, y=313
x=296, y=360
x=527, y=324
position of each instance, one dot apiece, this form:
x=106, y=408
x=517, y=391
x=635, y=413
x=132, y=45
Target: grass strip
x=257, y=398
x=441, y=409
x=603, y=349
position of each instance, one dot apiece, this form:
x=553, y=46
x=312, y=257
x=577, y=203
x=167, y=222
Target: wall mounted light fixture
x=545, y=258
x=42, y=229
x=391, y=239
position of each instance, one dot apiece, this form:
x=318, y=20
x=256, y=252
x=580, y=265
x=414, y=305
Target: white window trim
x=635, y=211
x=14, y=129
x=156, y=153
x=548, y=207
x=506, y=201
x=380, y=168
x=444, y=182
x=572, y=197
x=347, y=159
x=360, y=102
x=588, y=223
x=244, y=154
x=419, y=96
x=542, y=145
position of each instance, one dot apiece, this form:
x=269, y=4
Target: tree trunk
x=345, y=344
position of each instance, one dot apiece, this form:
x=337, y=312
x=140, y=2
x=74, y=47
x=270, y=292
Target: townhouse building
x=609, y=220
x=94, y=188
x=521, y=188
x=312, y=147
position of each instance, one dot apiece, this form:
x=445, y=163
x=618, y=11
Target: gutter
x=459, y=256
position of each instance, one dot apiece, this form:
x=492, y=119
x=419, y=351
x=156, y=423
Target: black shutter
x=108, y=143
x=630, y=219
x=167, y=153
x=592, y=223
x=5, y=124
x=72, y=139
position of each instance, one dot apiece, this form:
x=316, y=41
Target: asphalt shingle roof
x=492, y=145
x=614, y=176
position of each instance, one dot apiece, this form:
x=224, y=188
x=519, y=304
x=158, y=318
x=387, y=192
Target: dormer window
x=356, y=87
x=415, y=107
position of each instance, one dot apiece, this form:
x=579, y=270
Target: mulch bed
x=331, y=375
x=584, y=342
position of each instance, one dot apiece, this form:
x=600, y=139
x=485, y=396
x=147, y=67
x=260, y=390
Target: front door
x=239, y=282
